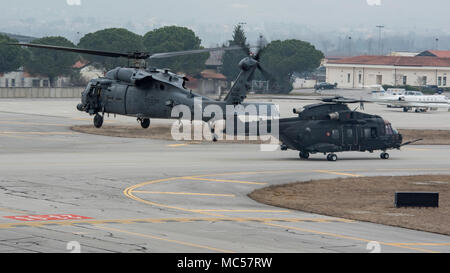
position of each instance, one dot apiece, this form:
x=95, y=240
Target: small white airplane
x=400, y=98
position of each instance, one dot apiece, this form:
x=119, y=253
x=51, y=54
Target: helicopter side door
x=349, y=138
x=115, y=99
x=369, y=136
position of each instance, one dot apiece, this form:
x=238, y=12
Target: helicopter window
x=373, y=132
x=335, y=134
x=88, y=87
x=367, y=132
x=349, y=133
x=389, y=130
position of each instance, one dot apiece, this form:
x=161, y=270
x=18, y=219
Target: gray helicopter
x=145, y=93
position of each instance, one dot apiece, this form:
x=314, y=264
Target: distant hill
x=20, y=38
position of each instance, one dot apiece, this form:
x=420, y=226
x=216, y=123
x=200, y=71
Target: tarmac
x=109, y=194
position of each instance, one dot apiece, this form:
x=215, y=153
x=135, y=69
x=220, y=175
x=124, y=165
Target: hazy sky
x=213, y=20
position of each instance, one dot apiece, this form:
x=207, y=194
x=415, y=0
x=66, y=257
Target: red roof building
x=212, y=74
x=368, y=71
x=394, y=61
x=436, y=53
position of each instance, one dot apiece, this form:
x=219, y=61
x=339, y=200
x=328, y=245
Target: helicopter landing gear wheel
x=98, y=121
x=145, y=122
x=304, y=155
x=214, y=136
x=332, y=157
x=384, y=155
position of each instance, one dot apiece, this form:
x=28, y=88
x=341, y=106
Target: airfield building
x=366, y=71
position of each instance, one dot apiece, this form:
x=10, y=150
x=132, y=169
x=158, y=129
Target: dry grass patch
x=368, y=199
x=430, y=137
x=162, y=132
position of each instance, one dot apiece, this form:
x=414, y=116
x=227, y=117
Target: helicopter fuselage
x=152, y=94
x=330, y=128
x=334, y=136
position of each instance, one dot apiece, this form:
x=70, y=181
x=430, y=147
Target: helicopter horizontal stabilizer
x=410, y=142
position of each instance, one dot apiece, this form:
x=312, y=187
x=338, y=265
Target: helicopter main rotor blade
x=265, y=73
x=134, y=55
x=188, y=52
x=325, y=99
x=282, y=98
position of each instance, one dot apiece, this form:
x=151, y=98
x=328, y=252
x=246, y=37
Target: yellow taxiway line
x=164, y=239
x=338, y=173
x=223, y=180
x=12, y=211
x=240, y=210
x=177, y=145
x=349, y=237
x=168, y=220
x=186, y=193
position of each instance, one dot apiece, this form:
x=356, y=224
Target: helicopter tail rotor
x=255, y=55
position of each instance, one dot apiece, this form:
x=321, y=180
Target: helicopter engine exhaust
x=334, y=116
x=130, y=75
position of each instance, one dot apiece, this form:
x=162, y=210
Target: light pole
x=380, y=46
x=349, y=46
x=437, y=43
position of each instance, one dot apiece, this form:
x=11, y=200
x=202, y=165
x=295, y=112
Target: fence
x=26, y=92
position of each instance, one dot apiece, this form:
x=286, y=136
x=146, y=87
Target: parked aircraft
x=409, y=100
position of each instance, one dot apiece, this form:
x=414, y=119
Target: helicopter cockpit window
x=88, y=87
x=389, y=130
x=394, y=131
x=94, y=90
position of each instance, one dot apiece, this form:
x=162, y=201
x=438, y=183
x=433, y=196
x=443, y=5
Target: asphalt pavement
x=111, y=194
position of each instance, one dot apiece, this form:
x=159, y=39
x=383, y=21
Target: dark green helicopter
x=146, y=93
x=332, y=127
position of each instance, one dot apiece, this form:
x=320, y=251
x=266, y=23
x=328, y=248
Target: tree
x=282, y=58
x=112, y=39
x=51, y=63
x=231, y=58
x=174, y=38
x=11, y=57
